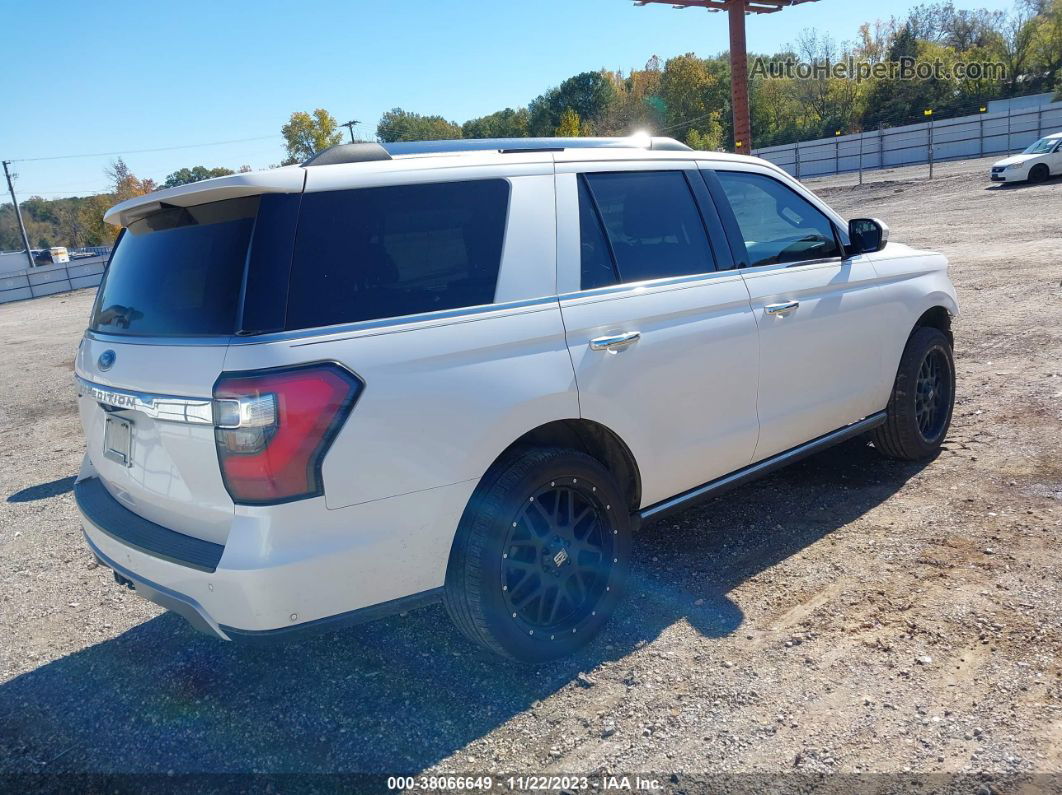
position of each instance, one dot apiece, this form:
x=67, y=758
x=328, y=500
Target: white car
x=1041, y=160
x=466, y=371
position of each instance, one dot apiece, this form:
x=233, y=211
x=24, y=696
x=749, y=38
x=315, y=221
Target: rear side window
x=652, y=222
x=177, y=272
x=598, y=269
x=778, y=224
x=386, y=252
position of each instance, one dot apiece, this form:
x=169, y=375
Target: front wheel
x=923, y=397
x=541, y=555
x=1039, y=173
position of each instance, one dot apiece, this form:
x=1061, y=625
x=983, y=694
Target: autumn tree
x=686, y=88
x=569, y=124
x=124, y=183
x=636, y=103
x=307, y=134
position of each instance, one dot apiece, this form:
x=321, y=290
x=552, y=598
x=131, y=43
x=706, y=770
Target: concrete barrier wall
x=50, y=279
x=947, y=139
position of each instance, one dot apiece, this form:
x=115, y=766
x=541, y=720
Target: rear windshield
x=178, y=272
x=386, y=252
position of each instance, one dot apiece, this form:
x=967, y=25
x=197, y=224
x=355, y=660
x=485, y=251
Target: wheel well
x=939, y=318
x=595, y=440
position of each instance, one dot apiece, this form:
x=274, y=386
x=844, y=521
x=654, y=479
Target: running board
x=716, y=487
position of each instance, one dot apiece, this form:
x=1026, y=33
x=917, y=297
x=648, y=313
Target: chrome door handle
x=781, y=309
x=616, y=342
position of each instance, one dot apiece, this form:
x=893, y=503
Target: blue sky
x=125, y=76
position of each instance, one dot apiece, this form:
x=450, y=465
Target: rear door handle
x=781, y=309
x=616, y=342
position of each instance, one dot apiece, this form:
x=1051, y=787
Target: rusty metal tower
x=739, y=62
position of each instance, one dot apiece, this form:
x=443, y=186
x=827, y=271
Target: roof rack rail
x=349, y=153
x=532, y=144
x=367, y=152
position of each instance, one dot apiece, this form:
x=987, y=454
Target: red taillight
x=273, y=428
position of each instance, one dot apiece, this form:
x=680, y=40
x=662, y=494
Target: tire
x=923, y=398
x=508, y=546
x=1039, y=173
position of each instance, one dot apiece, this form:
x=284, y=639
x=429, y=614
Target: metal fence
x=929, y=142
x=50, y=279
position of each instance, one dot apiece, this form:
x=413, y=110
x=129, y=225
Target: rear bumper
x=304, y=568
x=184, y=606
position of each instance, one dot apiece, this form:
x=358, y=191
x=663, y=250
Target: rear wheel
x=541, y=555
x=923, y=396
x=1039, y=173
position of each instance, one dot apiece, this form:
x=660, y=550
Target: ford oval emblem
x=106, y=360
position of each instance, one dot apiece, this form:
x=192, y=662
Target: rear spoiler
x=289, y=179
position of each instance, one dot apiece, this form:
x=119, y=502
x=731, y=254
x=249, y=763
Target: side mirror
x=867, y=235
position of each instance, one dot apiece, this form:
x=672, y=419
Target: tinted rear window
x=178, y=272
x=653, y=223
x=386, y=252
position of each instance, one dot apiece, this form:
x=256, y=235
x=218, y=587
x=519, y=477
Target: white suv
x=467, y=370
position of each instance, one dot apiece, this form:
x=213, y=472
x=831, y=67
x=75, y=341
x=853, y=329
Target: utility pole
x=18, y=213
x=739, y=77
x=928, y=112
x=350, y=126
x=739, y=59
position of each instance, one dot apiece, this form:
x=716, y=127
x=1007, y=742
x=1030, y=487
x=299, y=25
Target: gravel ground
x=849, y=614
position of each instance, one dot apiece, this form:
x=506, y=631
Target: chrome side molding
x=165, y=408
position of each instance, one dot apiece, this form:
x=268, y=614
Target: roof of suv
x=292, y=179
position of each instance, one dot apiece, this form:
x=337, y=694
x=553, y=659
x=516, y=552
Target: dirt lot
x=850, y=614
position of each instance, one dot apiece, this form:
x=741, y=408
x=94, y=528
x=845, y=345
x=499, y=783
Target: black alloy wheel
x=923, y=397
x=558, y=558
x=933, y=395
x=541, y=555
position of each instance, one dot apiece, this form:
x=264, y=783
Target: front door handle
x=616, y=342
x=781, y=309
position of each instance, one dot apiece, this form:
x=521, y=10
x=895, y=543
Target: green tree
x=708, y=140
x=186, y=176
x=90, y=215
x=1013, y=45
x=569, y=124
x=307, y=134
x=1047, y=43
x=403, y=125
x=506, y=123
x=589, y=94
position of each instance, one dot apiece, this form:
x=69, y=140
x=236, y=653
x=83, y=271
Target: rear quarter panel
x=441, y=400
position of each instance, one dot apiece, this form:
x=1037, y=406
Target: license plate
x=118, y=441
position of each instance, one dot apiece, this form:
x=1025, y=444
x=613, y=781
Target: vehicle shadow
x=44, y=490
x=1052, y=180
x=402, y=694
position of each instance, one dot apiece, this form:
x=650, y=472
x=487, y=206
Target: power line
x=688, y=121
x=69, y=193
x=141, y=151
